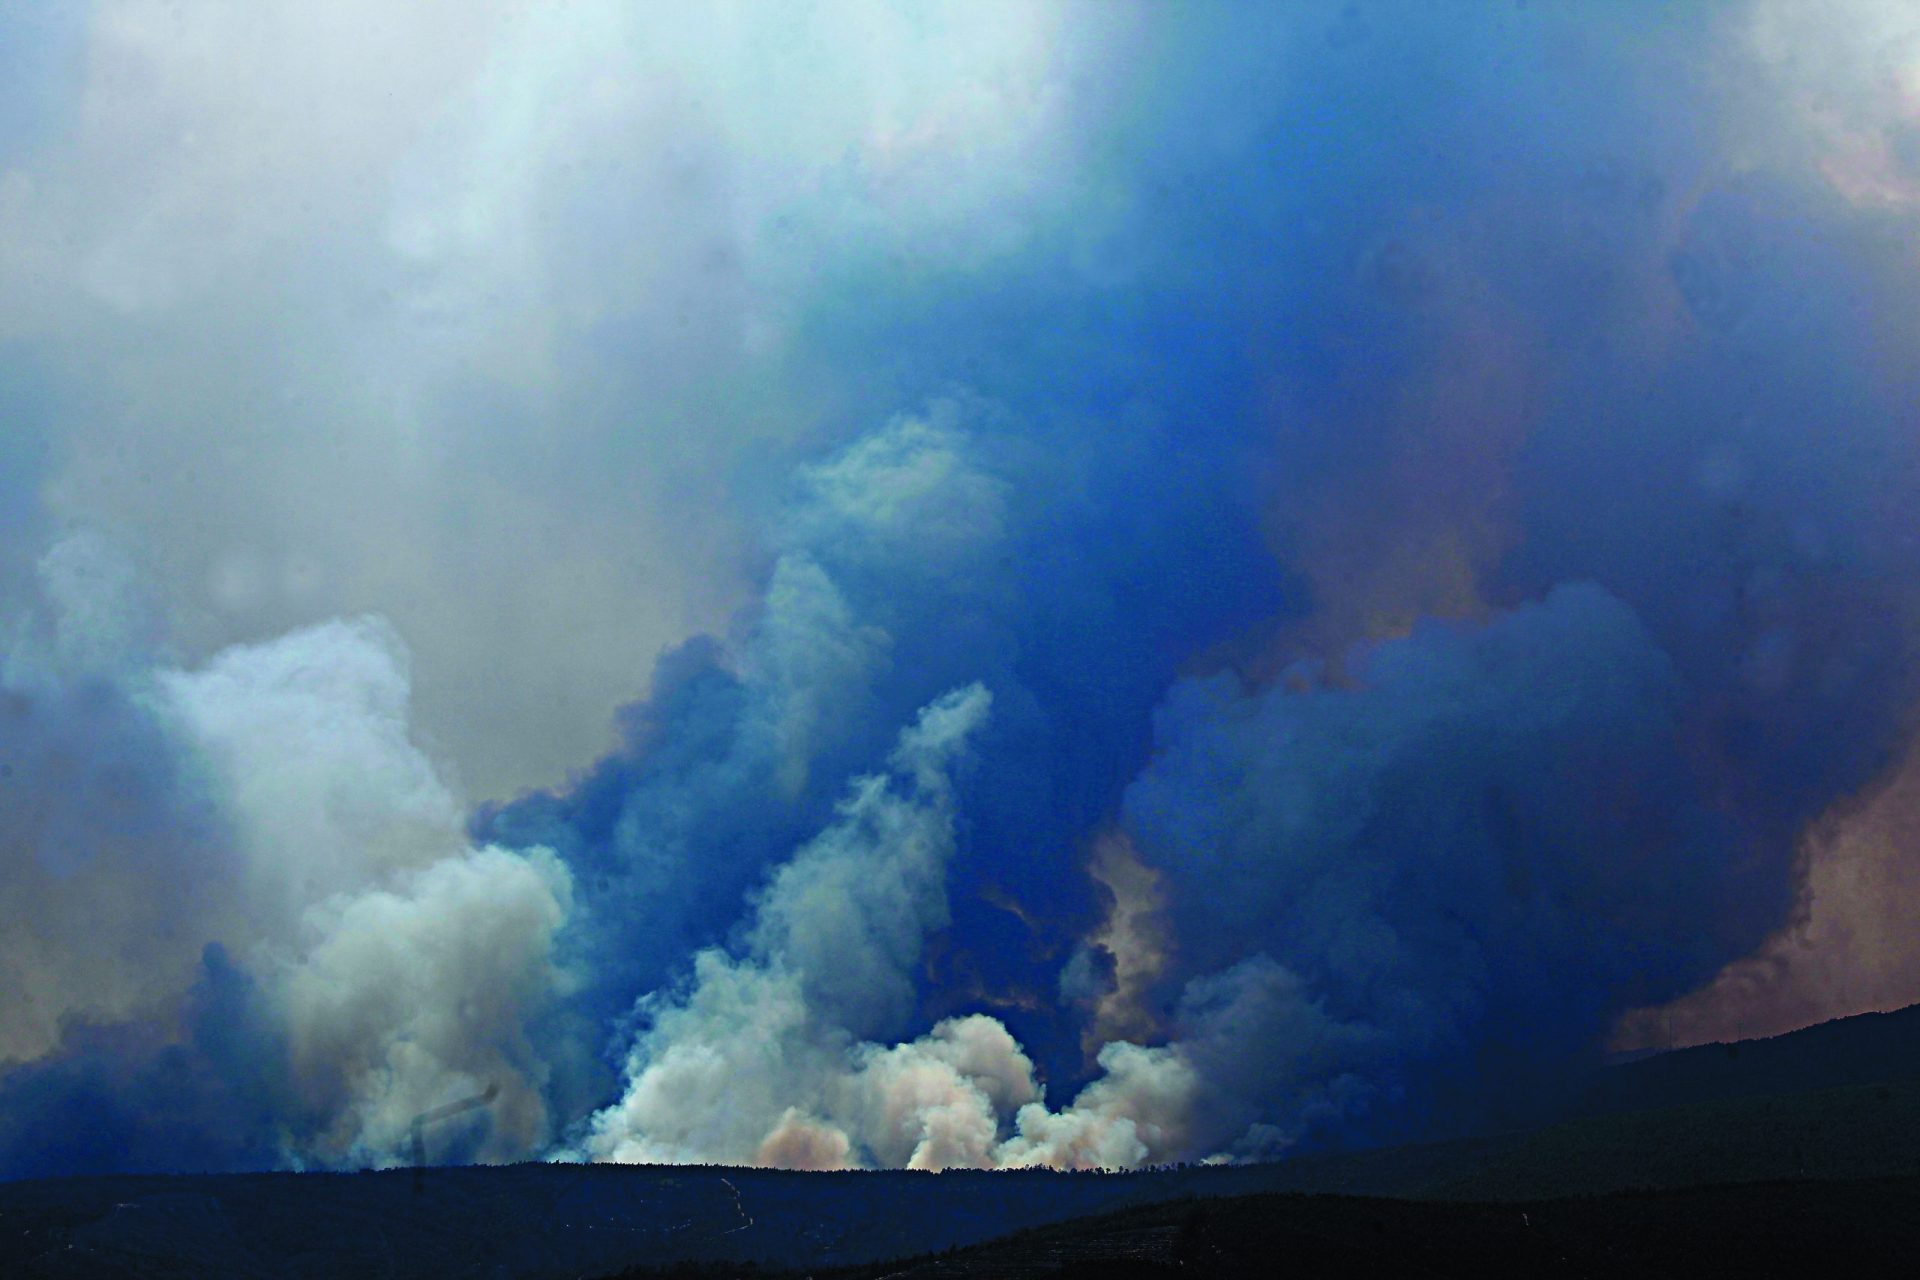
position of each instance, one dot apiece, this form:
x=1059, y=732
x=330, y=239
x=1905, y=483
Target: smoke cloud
x=302, y=951
x=969, y=585
x=827, y=965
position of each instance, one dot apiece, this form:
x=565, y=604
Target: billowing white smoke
x=406, y=997
x=827, y=963
x=271, y=803
x=1244, y=1036
x=305, y=739
x=769, y=1056
x=402, y=964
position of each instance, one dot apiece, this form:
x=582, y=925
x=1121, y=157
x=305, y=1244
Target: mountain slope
x=1726, y=1117
x=1853, y=1228
x=1869, y=1048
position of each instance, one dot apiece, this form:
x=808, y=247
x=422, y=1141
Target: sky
x=984, y=584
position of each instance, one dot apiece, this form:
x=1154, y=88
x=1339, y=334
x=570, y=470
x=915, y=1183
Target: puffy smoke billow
x=1449, y=854
x=302, y=952
x=1427, y=493
x=1253, y=1042
x=410, y=995
x=770, y=1056
x=744, y=746
x=828, y=963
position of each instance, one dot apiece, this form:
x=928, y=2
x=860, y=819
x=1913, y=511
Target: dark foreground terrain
x=1794, y=1156
x=1869, y=1228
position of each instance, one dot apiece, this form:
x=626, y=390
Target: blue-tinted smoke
x=1471, y=856
x=1420, y=315
x=1423, y=482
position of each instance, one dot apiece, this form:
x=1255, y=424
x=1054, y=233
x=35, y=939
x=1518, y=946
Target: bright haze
x=940, y=585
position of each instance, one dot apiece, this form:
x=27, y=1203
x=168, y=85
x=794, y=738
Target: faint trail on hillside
x=738, y=1207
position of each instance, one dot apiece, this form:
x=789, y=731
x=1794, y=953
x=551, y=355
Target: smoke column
x=976, y=585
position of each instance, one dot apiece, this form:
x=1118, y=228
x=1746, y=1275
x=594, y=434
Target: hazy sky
x=867, y=583
x=474, y=316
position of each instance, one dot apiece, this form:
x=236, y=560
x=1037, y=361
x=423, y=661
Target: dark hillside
x=542, y=1220
x=1734, y=1125
x=555, y=1220
x=1871, y=1048
x=1868, y=1228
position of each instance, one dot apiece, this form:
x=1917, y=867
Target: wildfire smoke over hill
x=1177, y=583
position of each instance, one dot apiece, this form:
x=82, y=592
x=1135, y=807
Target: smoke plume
x=958, y=585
